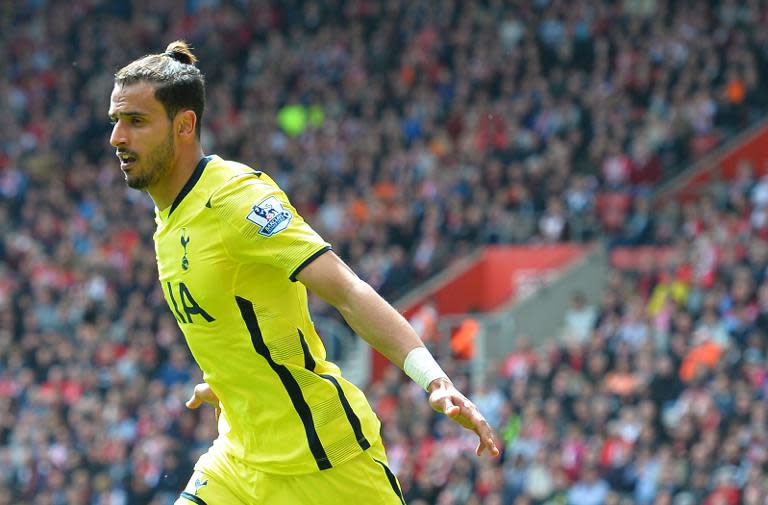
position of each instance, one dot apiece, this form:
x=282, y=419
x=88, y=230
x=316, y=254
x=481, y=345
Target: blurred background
x=568, y=199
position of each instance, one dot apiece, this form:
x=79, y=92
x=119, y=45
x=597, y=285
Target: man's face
x=142, y=134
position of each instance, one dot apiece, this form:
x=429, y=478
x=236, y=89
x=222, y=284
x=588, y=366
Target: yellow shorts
x=363, y=479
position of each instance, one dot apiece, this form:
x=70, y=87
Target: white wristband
x=422, y=368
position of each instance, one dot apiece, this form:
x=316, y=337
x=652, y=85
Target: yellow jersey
x=228, y=251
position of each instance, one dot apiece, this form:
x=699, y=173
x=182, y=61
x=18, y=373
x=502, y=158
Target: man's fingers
x=469, y=416
x=194, y=402
x=449, y=408
x=448, y=400
x=485, y=433
x=202, y=394
x=486, y=439
x=472, y=419
x=487, y=444
x=452, y=410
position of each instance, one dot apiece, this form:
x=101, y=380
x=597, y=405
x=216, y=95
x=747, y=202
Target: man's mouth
x=126, y=159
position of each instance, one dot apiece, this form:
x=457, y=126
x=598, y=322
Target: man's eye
x=135, y=121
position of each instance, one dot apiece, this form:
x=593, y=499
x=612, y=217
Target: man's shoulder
x=228, y=179
x=222, y=172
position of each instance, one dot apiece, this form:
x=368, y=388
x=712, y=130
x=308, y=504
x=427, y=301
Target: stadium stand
x=408, y=133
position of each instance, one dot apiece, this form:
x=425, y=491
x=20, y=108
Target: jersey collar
x=196, y=173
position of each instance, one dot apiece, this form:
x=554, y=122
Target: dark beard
x=159, y=163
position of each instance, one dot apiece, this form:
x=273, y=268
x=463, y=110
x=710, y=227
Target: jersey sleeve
x=260, y=225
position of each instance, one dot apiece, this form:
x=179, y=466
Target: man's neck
x=166, y=190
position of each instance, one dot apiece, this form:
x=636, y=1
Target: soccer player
x=234, y=260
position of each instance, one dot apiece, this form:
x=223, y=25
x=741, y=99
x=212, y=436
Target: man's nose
x=118, y=137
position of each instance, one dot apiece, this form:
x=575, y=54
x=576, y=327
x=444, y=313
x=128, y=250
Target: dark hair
x=179, y=84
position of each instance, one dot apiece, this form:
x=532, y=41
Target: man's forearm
x=368, y=314
x=378, y=323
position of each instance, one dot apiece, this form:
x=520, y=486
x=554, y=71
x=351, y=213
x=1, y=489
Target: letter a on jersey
x=270, y=216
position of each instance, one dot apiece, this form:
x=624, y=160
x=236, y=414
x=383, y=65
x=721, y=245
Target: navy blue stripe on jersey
x=309, y=361
x=289, y=382
x=179, y=316
x=308, y=261
x=392, y=480
x=193, y=498
x=354, y=421
x=190, y=182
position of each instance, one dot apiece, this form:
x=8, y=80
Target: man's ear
x=186, y=121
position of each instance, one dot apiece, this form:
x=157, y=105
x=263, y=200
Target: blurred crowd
x=657, y=394
x=407, y=133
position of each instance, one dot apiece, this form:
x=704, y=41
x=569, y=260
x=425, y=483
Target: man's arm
x=379, y=324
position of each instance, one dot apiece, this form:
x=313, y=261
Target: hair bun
x=179, y=51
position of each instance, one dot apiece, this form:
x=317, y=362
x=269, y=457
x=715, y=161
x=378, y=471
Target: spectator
x=589, y=490
x=579, y=320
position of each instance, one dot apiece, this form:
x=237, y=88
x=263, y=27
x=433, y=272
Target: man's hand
x=204, y=394
x=445, y=398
